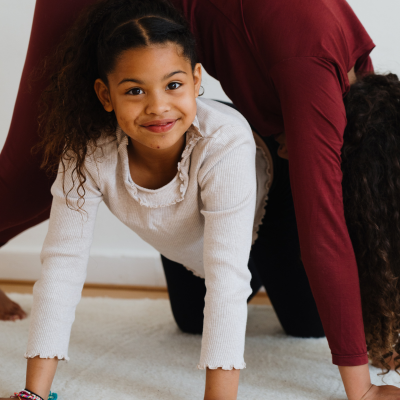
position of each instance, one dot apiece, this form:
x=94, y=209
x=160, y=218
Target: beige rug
x=133, y=346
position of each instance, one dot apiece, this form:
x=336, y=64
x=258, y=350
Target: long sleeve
x=310, y=94
x=64, y=259
x=228, y=193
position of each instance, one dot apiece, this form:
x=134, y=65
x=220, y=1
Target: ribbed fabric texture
x=203, y=219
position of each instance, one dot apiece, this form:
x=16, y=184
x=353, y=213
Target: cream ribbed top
x=205, y=219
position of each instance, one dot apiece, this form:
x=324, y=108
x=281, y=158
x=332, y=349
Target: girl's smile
x=160, y=126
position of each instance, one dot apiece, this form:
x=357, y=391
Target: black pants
x=274, y=262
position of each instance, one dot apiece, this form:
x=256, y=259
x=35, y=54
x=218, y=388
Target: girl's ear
x=103, y=94
x=197, y=78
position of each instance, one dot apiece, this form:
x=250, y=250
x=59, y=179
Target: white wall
x=118, y=256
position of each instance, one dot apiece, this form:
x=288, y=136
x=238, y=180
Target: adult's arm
x=310, y=93
x=17, y=163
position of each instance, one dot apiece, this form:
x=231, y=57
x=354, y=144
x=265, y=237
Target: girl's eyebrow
x=173, y=73
x=141, y=82
x=131, y=80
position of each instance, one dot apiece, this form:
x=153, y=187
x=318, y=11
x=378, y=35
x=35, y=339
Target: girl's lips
x=161, y=126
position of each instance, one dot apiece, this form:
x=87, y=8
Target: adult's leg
x=187, y=292
x=276, y=254
x=25, y=189
x=15, y=230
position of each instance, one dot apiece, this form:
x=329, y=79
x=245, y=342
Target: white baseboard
x=134, y=269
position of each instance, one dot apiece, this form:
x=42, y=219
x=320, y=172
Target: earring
x=201, y=94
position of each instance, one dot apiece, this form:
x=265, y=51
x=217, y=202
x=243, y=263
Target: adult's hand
x=387, y=392
x=357, y=384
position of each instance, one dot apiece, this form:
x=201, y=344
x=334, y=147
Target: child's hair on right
x=71, y=116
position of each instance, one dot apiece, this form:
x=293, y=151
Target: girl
x=179, y=172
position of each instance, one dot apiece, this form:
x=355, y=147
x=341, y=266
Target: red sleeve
x=310, y=93
x=364, y=65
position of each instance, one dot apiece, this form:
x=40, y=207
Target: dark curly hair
x=371, y=193
x=72, y=118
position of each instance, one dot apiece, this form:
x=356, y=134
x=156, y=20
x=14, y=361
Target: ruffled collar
x=174, y=191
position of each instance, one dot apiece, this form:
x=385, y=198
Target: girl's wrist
x=221, y=384
x=356, y=381
x=27, y=394
x=40, y=375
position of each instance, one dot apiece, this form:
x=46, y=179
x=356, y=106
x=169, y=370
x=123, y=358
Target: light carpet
x=134, y=347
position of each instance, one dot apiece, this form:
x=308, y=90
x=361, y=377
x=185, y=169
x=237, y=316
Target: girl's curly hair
x=72, y=118
x=371, y=192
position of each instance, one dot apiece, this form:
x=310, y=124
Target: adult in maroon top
x=284, y=64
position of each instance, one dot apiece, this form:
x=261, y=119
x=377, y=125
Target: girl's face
x=152, y=91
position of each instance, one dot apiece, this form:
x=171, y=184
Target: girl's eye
x=174, y=85
x=135, y=91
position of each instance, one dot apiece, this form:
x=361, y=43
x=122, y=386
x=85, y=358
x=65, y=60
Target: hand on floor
x=10, y=311
x=386, y=392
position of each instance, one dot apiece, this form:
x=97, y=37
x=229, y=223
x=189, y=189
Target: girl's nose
x=158, y=104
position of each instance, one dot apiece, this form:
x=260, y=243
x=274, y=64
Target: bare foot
x=10, y=311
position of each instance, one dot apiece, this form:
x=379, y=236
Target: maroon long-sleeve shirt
x=284, y=64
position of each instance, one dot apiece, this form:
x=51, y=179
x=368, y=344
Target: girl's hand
x=386, y=392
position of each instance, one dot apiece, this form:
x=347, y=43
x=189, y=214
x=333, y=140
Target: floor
x=148, y=357
x=120, y=292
